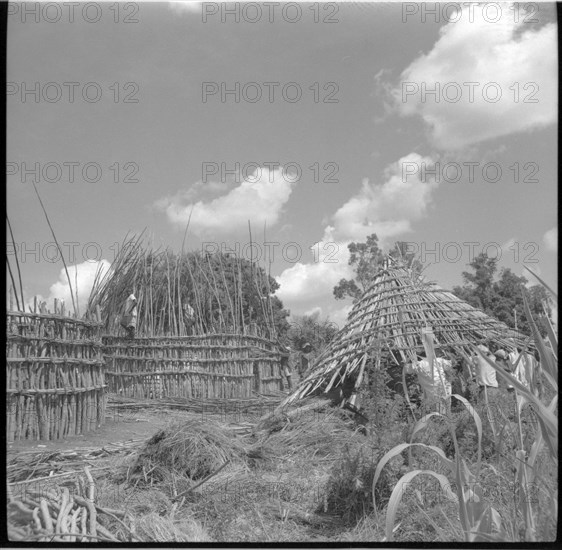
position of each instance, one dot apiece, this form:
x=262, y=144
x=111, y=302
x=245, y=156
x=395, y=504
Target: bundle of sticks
x=59, y=516
x=33, y=466
x=260, y=405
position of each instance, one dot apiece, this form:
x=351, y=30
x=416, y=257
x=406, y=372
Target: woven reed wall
x=224, y=366
x=54, y=376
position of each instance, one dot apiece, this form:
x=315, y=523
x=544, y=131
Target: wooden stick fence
x=54, y=375
x=224, y=366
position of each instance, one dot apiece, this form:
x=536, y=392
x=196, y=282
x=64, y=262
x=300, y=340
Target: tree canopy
x=501, y=296
x=227, y=293
x=312, y=330
x=366, y=259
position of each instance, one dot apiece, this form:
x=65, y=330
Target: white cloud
x=386, y=209
x=82, y=278
x=508, y=245
x=183, y=6
x=338, y=315
x=389, y=208
x=505, y=53
x=306, y=284
x=260, y=198
x=335, y=312
x=550, y=239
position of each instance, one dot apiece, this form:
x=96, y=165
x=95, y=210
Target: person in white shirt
x=488, y=383
x=188, y=319
x=485, y=373
x=502, y=360
x=523, y=368
x=129, y=321
x=437, y=389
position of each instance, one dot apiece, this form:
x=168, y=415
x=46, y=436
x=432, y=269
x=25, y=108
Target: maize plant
x=480, y=521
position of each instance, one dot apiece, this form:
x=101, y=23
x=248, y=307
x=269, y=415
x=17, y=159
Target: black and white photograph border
x=281, y=273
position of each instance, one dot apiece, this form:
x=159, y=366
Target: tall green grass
x=462, y=483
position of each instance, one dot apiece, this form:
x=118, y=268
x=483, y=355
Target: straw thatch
x=189, y=448
x=387, y=324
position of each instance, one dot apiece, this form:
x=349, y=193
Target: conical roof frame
x=388, y=320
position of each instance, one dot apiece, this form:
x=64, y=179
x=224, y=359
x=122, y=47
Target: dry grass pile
x=154, y=528
x=278, y=492
x=260, y=506
x=188, y=449
x=313, y=431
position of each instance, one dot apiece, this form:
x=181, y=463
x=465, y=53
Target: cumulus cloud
x=508, y=245
x=185, y=6
x=521, y=61
x=260, y=198
x=82, y=278
x=336, y=312
x=550, y=239
x=387, y=209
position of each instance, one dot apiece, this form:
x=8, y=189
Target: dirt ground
x=118, y=428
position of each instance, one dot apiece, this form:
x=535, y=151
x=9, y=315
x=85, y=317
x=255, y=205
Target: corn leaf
x=547, y=360
x=421, y=424
x=395, y=451
x=398, y=492
x=478, y=423
x=545, y=416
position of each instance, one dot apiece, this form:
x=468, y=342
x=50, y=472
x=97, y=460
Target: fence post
x=257, y=376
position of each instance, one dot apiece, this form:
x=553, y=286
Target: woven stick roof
x=388, y=321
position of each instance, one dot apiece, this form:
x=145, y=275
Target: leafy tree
x=309, y=328
x=222, y=279
x=502, y=297
x=366, y=259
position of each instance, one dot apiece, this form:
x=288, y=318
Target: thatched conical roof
x=388, y=322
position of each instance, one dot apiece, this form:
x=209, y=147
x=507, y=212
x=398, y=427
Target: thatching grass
x=314, y=433
x=191, y=449
x=154, y=528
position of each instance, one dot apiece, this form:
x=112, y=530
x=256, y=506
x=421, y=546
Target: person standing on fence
x=129, y=319
x=189, y=319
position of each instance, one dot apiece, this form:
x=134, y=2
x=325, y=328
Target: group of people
x=436, y=381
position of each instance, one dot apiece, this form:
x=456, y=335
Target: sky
x=312, y=126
